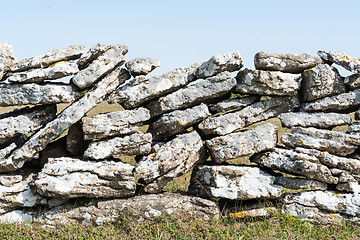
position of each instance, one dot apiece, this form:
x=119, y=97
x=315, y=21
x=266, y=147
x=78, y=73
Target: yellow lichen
x=152, y=155
x=332, y=215
x=337, y=194
x=55, y=64
x=239, y=214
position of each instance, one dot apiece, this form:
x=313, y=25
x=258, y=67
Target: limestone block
x=93, y=53
x=233, y=104
x=300, y=183
x=6, y=58
x=253, y=213
x=351, y=187
x=354, y=128
x=142, y=65
x=352, y=81
x=348, y=62
x=319, y=120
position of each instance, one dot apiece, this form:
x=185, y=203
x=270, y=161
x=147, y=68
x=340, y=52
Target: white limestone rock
x=233, y=104
x=93, y=53
x=253, y=213
x=354, y=128
x=352, y=81
x=300, y=183
x=142, y=65
x=319, y=120
x=7, y=58
x=348, y=62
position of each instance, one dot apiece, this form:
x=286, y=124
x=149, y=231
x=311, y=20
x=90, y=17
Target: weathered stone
x=141, y=89
x=75, y=143
x=321, y=81
x=64, y=120
x=26, y=120
x=135, y=144
x=174, y=122
x=93, y=53
x=142, y=65
x=337, y=143
x=350, y=63
x=219, y=63
x=105, y=63
x=354, y=128
x=260, y=82
x=290, y=63
x=6, y=58
x=196, y=92
x=37, y=75
x=352, y=81
x=300, y=183
x=8, y=148
x=233, y=104
x=114, y=123
x=64, y=54
x=295, y=162
x=319, y=120
x=259, y=111
x=342, y=102
x=170, y=160
x=240, y=144
x=233, y=182
x=16, y=216
x=352, y=187
x=72, y=178
x=260, y=212
x=24, y=94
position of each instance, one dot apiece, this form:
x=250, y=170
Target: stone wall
x=281, y=135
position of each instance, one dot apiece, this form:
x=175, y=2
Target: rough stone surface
x=8, y=148
x=348, y=62
x=93, y=53
x=260, y=212
x=71, y=178
x=142, y=65
x=64, y=120
x=233, y=182
x=219, y=63
x=170, y=160
x=352, y=81
x=134, y=144
x=194, y=93
x=290, y=63
x=337, y=143
x=175, y=122
x=300, y=183
x=321, y=81
x=240, y=144
x=64, y=54
x=233, y=104
x=141, y=89
x=37, y=75
x=32, y=94
x=354, y=128
x=105, y=63
x=251, y=81
x=352, y=187
x=75, y=143
x=319, y=120
x=114, y=123
x=6, y=58
x=259, y=111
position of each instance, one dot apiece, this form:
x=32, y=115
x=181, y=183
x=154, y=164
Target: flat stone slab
x=352, y=81
x=114, y=123
x=177, y=121
x=256, y=112
x=348, y=62
x=321, y=81
x=170, y=160
x=219, y=63
x=142, y=89
x=134, y=144
x=289, y=63
x=142, y=65
x=240, y=144
x=33, y=94
x=259, y=212
x=233, y=104
x=6, y=58
x=194, y=93
x=319, y=120
x=113, y=57
x=354, y=128
x=233, y=182
x=250, y=81
x=71, y=178
x=300, y=183
x=93, y=53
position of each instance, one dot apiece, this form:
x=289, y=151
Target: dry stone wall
x=243, y=134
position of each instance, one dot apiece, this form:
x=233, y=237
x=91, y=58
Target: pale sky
x=182, y=32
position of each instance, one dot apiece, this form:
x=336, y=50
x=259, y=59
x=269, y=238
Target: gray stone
x=64, y=54
x=75, y=143
x=64, y=120
x=170, y=160
x=23, y=121
x=233, y=182
x=233, y=104
x=290, y=63
x=260, y=82
x=351, y=187
x=295, y=162
x=354, y=128
x=33, y=94
x=196, y=92
x=348, y=62
x=6, y=58
x=141, y=89
x=300, y=183
x=259, y=111
x=37, y=75
x=352, y=81
x=337, y=143
x=142, y=65
x=114, y=123
x=219, y=63
x=72, y=178
x=319, y=120
x=240, y=144
x=134, y=144
x=321, y=81
x=253, y=213
x=8, y=148
x=177, y=121
x=93, y=53
x=105, y=63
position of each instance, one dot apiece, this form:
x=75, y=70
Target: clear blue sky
x=183, y=32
